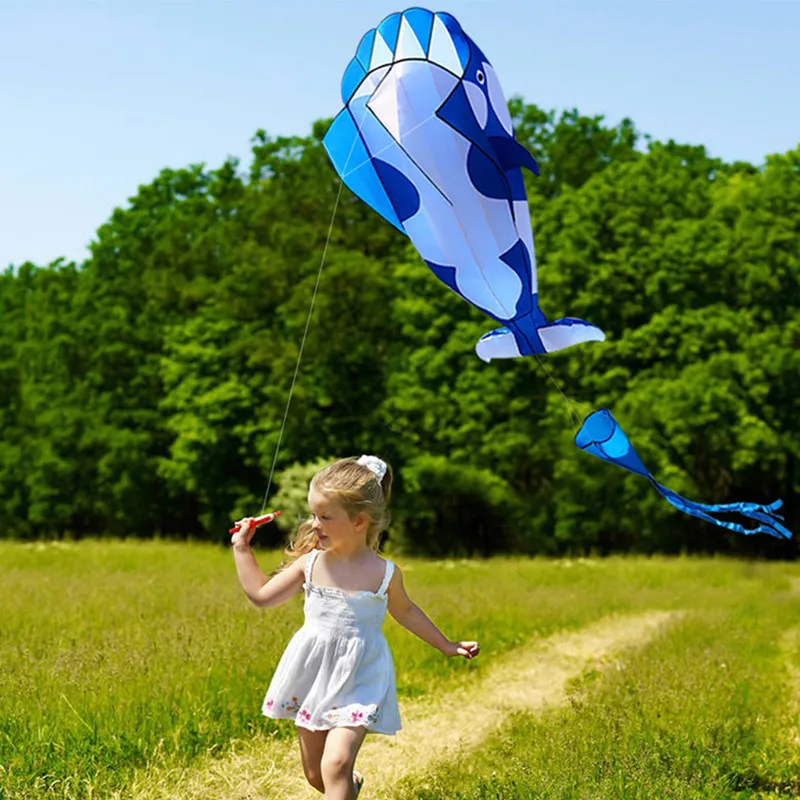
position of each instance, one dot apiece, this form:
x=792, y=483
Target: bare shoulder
x=299, y=564
x=396, y=581
x=399, y=602
x=296, y=567
x=301, y=561
x=377, y=567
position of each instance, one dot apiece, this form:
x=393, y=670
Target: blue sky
x=96, y=97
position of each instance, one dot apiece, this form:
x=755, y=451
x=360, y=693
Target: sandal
x=358, y=781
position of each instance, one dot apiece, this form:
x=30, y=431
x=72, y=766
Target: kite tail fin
x=499, y=343
x=771, y=522
x=547, y=337
x=566, y=332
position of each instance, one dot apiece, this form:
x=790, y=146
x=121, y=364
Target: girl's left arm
x=414, y=619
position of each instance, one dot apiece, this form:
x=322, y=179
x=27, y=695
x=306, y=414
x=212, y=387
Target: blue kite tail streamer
x=601, y=436
x=754, y=511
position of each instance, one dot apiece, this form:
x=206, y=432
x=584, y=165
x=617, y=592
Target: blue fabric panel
x=421, y=22
x=485, y=175
x=510, y=153
x=460, y=40
x=401, y=191
x=364, y=52
x=518, y=259
x=352, y=161
x=351, y=79
x=456, y=111
x=446, y=275
x=516, y=184
x=389, y=29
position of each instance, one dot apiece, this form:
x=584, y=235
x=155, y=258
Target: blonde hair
x=357, y=489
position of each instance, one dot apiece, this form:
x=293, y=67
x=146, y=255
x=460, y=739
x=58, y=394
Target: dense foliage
x=143, y=391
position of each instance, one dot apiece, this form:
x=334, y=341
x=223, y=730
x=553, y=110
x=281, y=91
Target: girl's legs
x=338, y=759
x=312, y=745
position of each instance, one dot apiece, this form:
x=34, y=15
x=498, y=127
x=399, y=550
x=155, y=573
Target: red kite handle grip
x=262, y=520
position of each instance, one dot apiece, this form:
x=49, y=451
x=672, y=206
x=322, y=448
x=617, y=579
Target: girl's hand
x=466, y=649
x=241, y=539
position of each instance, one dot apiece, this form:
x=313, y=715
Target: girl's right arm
x=260, y=591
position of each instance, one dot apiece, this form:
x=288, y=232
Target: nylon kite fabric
x=426, y=139
x=602, y=436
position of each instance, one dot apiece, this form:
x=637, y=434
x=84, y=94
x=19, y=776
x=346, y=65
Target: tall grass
x=117, y=654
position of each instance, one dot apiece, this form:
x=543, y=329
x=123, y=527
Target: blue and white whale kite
x=425, y=138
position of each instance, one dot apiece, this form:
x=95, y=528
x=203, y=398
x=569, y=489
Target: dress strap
x=312, y=557
x=387, y=578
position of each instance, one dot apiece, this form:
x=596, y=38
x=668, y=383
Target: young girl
x=336, y=676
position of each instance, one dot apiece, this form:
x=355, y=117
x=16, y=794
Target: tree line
x=143, y=391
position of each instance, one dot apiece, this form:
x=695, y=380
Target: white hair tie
x=374, y=464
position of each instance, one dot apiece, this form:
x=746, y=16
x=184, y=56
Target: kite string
x=574, y=416
x=308, y=323
x=302, y=346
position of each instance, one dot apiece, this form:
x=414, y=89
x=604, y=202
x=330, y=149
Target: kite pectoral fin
x=512, y=154
x=563, y=333
x=499, y=343
x=558, y=335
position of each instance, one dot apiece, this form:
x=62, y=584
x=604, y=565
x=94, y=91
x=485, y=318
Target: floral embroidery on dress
x=358, y=715
x=290, y=706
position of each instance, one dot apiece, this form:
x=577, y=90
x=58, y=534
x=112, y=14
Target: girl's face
x=332, y=524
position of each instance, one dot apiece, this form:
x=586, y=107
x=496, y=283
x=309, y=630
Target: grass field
x=115, y=657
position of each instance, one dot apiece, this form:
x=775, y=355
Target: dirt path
x=531, y=678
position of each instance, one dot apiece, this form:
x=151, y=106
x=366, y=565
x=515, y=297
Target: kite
x=426, y=139
x=602, y=436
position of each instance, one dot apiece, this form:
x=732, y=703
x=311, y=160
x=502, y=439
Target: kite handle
x=258, y=521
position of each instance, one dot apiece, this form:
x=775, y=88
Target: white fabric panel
x=497, y=98
x=408, y=45
x=381, y=54
x=522, y=215
x=369, y=83
x=442, y=51
x=477, y=101
x=557, y=337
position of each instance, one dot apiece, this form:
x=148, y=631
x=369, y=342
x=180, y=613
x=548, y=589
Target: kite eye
x=481, y=77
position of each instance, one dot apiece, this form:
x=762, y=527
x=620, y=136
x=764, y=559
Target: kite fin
x=512, y=154
x=502, y=343
x=566, y=332
x=499, y=343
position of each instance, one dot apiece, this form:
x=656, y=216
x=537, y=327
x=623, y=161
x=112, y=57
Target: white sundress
x=337, y=670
